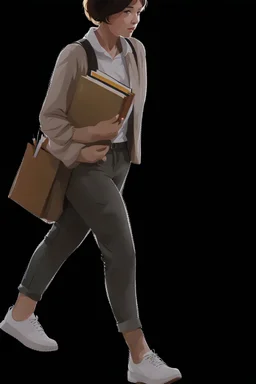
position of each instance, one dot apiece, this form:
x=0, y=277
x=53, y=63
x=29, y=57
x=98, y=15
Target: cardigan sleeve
x=53, y=115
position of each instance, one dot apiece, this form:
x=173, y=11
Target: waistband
x=117, y=146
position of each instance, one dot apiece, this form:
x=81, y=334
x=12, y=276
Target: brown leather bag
x=40, y=183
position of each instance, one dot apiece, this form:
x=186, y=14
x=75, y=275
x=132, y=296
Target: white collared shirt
x=113, y=67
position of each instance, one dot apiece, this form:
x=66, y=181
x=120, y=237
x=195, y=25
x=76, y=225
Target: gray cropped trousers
x=93, y=202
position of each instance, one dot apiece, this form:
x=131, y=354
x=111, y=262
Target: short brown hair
x=98, y=11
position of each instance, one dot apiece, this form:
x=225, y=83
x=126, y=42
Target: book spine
x=110, y=84
x=126, y=106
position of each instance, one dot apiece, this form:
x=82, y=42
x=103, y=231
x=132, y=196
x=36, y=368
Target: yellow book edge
x=109, y=82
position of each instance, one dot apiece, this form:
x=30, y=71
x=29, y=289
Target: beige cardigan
x=70, y=65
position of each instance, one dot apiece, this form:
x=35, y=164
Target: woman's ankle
x=23, y=308
x=137, y=345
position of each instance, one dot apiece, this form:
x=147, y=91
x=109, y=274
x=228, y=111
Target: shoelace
x=36, y=324
x=155, y=360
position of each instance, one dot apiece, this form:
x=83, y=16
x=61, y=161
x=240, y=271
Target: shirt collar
x=92, y=38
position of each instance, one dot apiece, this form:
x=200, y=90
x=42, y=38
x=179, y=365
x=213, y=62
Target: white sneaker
x=152, y=370
x=29, y=332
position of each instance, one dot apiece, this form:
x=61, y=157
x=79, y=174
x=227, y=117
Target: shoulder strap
x=92, y=59
x=133, y=49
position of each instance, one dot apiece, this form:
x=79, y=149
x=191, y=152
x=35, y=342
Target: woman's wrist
x=82, y=135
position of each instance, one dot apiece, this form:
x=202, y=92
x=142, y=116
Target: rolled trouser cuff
x=129, y=325
x=32, y=295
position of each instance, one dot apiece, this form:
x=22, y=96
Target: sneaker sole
x=132, y=379
x=166, y=382
x=27, y=343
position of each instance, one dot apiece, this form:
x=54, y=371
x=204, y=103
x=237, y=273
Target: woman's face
x=124, y=23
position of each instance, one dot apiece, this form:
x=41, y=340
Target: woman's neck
x=107, y=40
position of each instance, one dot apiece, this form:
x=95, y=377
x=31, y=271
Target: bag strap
x=133, y=49
x=92, y=59
x=91, y=56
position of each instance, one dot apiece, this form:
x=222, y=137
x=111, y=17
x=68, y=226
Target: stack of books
x=99, y=97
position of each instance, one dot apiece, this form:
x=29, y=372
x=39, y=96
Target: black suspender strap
x=92, y=59
x=91, y=56
x=133, y=50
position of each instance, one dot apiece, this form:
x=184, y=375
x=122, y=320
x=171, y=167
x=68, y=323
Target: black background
x=184, y=200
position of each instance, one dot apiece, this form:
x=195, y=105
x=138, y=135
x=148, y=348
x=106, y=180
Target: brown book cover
x=95, y=101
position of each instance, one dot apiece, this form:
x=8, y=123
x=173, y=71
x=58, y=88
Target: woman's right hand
x=104, y=130
x=93, y=154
